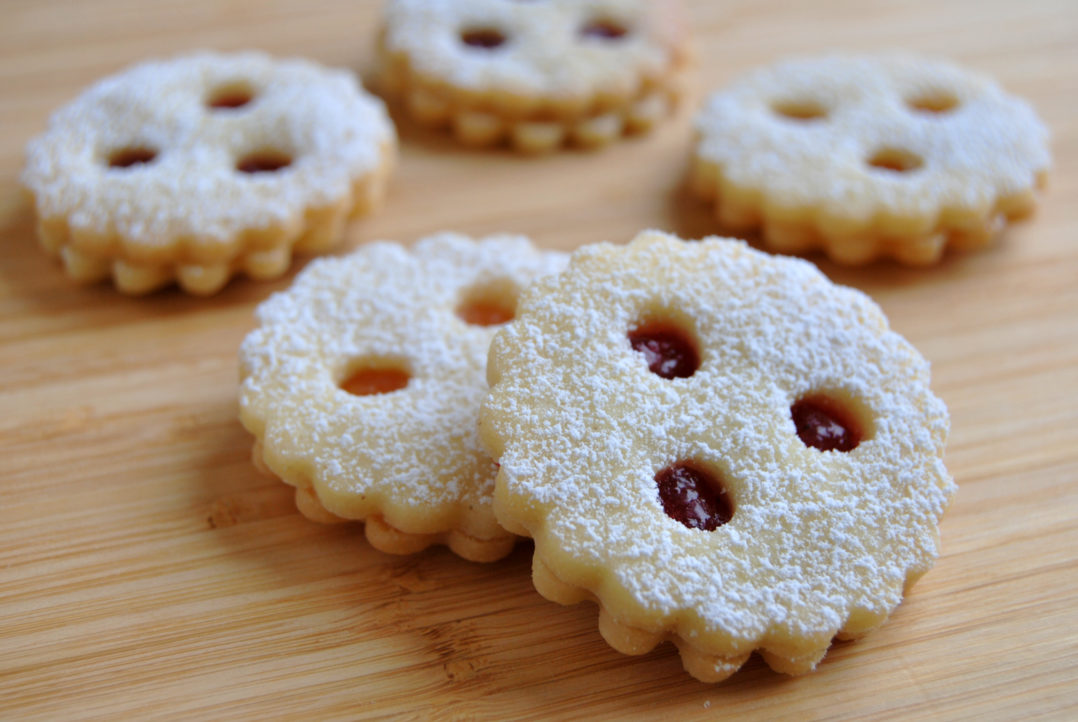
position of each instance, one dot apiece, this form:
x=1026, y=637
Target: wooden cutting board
x=147, y=570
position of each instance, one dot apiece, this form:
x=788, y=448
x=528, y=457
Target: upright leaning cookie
x=206, y=165
x=362, y=386
x=865, y=157
x=720, y=447
x=538, y=73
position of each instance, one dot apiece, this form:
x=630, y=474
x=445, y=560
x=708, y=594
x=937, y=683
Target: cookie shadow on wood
x=27, y=272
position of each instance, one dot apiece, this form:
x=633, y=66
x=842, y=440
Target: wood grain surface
x=147, y=570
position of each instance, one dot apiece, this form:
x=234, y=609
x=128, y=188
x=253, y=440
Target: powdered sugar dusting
x=332, y=131
x=544, y=52
x=582, y=427
x=987, y=146
x=412, y=455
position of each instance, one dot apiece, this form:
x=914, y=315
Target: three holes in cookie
x=830, y=421
x=375, y=375
x=227, y=96
x=694, y=495
x=667, y=347
x=131, y=156
x=489, y=304
x=230, y=96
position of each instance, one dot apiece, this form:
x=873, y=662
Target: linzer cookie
x=540, y=74
x=718, y=446
x=869, y=157
x=196, y=168
x=362, y=386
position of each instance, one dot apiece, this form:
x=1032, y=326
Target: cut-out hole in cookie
x=936, y=102
x=230, y=96
x=800, y=109
x=604, y=29
x=667, y=349
x=489, y=304
x=693, y=496
x=827, y=423
x=483, y=38
x=375, y=376
x=895, y=160
x=263, y=161
x=131, y=157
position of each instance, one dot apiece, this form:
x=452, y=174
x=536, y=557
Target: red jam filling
x=605, y=29
x=801, y=110
x=668, y=352
x=372, y=381
x=263, y=162
x=823, y=424
x=693, y=497
x=485, y=38
x=484, y=313
x=895, y=160
x=232, y=99
x=128, y=157
x=934, y=102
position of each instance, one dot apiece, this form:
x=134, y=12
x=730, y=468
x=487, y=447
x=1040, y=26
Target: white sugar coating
x=333, y=132
x=580, y=427
x=411, y=455
x=989, y=145
x=545, y=52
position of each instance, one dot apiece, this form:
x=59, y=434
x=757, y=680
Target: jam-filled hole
x=263, y=161
x=694, y=496
x=371, y=377
x=801, y=109
x=667, y=349
x=230, y=96
x=604, y=29
x=933, y=102
x=132, y=156
x=826, y=423
x=489, y=304
x=895, y=160
x=483, y=38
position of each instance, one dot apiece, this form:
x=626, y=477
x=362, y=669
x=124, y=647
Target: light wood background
x=146, y=569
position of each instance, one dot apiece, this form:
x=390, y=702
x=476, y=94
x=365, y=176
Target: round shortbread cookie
x=198, y=167
x=362, y=386
x=867, y=157
x=541, y=73
x=720, y=447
